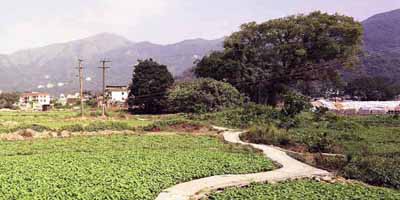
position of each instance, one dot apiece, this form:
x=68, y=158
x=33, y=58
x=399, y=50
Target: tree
x=372, y=89
x=150, y=83
x=8, y=100
x=203, y=95
x=264, y=60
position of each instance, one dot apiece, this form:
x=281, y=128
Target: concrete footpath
x=291, y=169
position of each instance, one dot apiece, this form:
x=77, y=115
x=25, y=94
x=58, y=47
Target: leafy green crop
x=63, y=120
x=307, y=190
x=116, y=167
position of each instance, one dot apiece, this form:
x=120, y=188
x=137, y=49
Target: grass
x=308, y=190
x=370, y=143
x=116, y=167
x=56, y=120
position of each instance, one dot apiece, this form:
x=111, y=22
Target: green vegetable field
x=307, y=190
x=59, y=120
x=116, y=167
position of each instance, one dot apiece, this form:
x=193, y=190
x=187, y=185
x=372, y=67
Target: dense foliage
x=370, y=143
x=294, y=104
x=149, y=86
x=372, y=89
x=243, y=117
x=203, y=95
x=264, y=60
x=8, y=100
x=116, y=167
x=307, y=190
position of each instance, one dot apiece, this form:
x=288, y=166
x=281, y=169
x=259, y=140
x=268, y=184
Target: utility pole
x=81, y=84
x=103, y=67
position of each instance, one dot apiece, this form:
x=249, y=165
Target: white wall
x=119, y=96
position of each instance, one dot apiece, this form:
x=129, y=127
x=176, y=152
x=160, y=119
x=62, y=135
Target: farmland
x=306, y=189
x=116, y=167
x=58, y=120
x=370, y=144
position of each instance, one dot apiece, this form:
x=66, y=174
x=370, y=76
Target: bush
x=102, y=126
x=203, y=95
x=243, y=117
x=166, y=124
x=268, y=135
x=344, y=125
x=72, y=128
x=295, y=104
x=376, y=170
x=321, y=142
x=35, y=127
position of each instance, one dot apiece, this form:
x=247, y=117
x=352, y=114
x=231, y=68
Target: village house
x=116, y=95
x=72, y=99
x=34, y=101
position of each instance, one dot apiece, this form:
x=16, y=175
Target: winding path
x=291, y=169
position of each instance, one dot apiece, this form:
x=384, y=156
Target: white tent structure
x=359, y=107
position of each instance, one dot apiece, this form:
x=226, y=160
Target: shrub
x=35, y=127
x=203, y=95
x=319, y=113
x=376, y=170
x=72, y=128
x=268, y=135
x=243, y=117
x=166, y=124
x=295, y=104
x=102, y=126
x=321, y=142
x=344, y=125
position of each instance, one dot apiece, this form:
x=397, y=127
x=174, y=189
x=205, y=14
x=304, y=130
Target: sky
x=34, y=23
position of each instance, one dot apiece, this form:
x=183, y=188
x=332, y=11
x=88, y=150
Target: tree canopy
x=8, y=100
x=264, y=60
x=150, y=83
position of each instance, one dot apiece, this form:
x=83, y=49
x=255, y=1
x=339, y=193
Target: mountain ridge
x=55, y=64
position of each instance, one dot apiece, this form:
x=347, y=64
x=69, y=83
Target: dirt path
x=291, y=169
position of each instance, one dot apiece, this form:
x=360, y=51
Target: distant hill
x=382, y=47
x=53, y=67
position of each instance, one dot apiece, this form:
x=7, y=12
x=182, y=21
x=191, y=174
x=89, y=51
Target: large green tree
x=264, y=60
x=150, y=83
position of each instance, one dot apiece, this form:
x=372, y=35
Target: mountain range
x=381, y=55
x=53, y=68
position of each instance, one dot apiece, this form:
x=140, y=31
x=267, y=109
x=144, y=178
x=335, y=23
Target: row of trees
x=153, y=91
x=261, y=63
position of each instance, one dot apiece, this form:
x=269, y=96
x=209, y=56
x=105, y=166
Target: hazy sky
x=33, y=23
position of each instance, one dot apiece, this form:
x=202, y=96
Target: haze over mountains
x=53, y=67
x=382, y=46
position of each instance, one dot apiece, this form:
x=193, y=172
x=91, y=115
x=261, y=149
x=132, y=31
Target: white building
x=34, y=101
x=359, y=107
x=117, y=94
